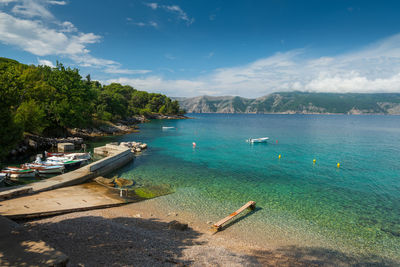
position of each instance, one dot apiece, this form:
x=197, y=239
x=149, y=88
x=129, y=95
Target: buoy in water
x=194, y=144
x=279, y=156
x=314, y=161
x=276, y=141
x=338, y=165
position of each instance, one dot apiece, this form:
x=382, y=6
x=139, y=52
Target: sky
x=212, y=47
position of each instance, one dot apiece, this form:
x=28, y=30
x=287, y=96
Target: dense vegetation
x=39, y=99
x=297, y=102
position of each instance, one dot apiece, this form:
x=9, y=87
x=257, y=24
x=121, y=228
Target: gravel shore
x=133, y=235
x=145, y=234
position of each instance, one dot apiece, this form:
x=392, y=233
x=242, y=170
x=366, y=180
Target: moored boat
x=71, y=155
x=45, y=169
x=68, y=163
x=114, y=183
x=258, y=140
x=15, y=172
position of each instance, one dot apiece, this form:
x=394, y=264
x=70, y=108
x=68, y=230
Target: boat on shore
x=258, y=140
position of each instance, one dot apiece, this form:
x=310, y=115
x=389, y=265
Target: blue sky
x=197, y=47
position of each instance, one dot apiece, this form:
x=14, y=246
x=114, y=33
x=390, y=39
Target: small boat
x=45, y=169
x=168, y=127
x=114, y=183
x=62, y=162
x=69, y=155
x=68, y=163
x=15, y=172
x=258, y=140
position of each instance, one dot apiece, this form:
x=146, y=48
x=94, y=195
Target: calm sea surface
x=353, y=209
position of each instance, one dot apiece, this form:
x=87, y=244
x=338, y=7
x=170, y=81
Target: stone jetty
x=115, y=157
x=134, y=146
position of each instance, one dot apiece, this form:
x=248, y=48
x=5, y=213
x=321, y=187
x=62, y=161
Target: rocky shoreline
x=33, y=144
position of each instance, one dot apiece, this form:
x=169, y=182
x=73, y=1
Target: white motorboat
x=72, y=155
x=168, y=128
x=258, y=140
x=45, y=168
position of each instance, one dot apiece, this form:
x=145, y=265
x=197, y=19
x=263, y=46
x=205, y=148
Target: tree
x=31, y=117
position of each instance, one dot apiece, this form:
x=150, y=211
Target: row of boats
x=50, y=163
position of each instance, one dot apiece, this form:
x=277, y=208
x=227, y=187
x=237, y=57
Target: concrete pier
x=82, y=197
x=117, y=156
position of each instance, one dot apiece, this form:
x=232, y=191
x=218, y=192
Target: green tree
x=31, y=117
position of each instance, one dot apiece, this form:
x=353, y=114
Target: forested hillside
x=296, y=102
x=40, y=99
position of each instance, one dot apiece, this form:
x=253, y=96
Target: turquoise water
x=354, y=208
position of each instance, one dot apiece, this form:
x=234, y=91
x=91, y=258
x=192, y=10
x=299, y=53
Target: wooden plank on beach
x=251, y=205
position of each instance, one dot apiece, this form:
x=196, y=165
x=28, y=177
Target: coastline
x=201, y=246
x=33, y=144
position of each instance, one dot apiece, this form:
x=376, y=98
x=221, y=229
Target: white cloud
x=181, y=14
x=67, y=26
x=36, y=38
x=45, y=62
x=46, y=36
x=375, y=68
x=32, y=8
x=144, y=24
x=152, y=5
x=115, y=70
x=169, y=56
x=173, y=9
x=210, y=55
x=60, y=3
x=158, y=84
x=7, y=1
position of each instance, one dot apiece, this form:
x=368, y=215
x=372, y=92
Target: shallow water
x=353, y=209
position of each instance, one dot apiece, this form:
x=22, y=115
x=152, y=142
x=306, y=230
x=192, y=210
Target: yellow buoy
x=279, y=156
x=338, y=165
x=314, y=161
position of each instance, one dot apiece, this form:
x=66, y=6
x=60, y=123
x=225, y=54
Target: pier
x=61, y=194
x=75, y=198
x=116, y=157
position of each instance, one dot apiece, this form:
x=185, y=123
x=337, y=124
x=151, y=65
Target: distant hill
x=296, y=102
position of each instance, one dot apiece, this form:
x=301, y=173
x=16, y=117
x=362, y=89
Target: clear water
x=354, y=208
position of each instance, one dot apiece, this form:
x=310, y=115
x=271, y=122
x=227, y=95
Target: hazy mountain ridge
x=296, y=102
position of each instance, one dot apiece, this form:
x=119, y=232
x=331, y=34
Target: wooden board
x=250, y=204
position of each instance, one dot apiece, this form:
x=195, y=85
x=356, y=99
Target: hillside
x=43, y=100
x=296, y=102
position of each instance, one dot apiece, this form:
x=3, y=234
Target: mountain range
x=296, y=102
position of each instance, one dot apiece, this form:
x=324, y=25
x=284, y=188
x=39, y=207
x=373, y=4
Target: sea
x=326, y=182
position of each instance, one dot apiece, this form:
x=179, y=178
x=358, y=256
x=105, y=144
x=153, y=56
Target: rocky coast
x=33, y=144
